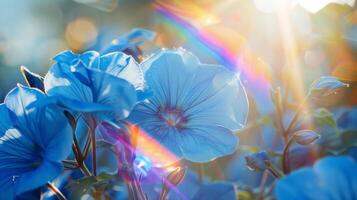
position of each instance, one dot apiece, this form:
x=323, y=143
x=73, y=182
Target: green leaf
x=82, y=185
x=244, y=195
x=248, y=148
x=104, y=177
x=324, y=117
x=105, y=144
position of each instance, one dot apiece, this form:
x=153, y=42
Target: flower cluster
x=93, y=99
x=120, y=124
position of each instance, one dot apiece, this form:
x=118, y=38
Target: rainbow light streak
x=152, y=157
x=153, y=150
x=162, y=159
x=223, y=52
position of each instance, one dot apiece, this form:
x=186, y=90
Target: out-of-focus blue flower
x=195, y=107
x=33, y=142
x=216, y=190
x=129, y=42
x=348, y=119
x=89, y=82
x=190, y=188
x=258, y=161
x=236, y=171
x=329, y=178
x=120, y=138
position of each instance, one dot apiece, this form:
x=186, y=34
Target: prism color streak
x=251, y=68
x=150, y=148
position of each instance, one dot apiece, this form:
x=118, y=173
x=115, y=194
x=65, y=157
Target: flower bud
x=305, y=137
x=176, y=176
x=325, y=86
x=258, y=161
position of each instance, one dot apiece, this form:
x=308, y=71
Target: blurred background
x=268, y=42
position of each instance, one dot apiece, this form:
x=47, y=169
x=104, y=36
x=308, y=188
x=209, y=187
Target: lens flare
x=152, y=150
x=225, y=45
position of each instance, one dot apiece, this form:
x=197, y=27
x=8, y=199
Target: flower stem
x=275, y=172
x=55, y=190
x=218, y=170
x=279, y=114
x=86, y=147
x=84, y=169
x=133, y=190
x=296, y=116
x=94, y=153
x=286, y=161
x=79, y=157
x=201, y=172
x=94, y=148
x=139, y=190
x=262, y=185
x=130, y=191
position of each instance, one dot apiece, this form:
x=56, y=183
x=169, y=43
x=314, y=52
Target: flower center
x=173, y=117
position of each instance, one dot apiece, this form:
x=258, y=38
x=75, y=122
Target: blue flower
x=189, y=188
x=329, y=178
x=130, y=42
x=104, y=85
x=258, y=161
x=33, y=142
x=194, y=108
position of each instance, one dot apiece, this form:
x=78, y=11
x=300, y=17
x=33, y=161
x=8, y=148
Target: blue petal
x=115, y=92
x=134, y=38
x=104, y=92
x=70, y=58
x=19, y=98
x=210, y=94
x=72, y=105
x=60, y=81
x=89, y=58
x=6, y=188
x=35, y=122
x=330, y=178
x=295, y=186
x=34, y=143
x=203, y=144
x=216, y=191
x=210, y=98
x=122, y=66
x=64, y=88
x=47, y=171
x=66, y=57
x=337, y=176
x=7, y=119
